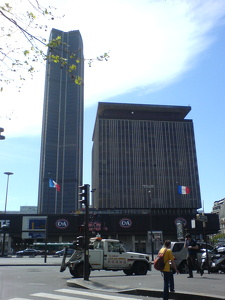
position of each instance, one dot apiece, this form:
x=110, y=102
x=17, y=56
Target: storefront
x=137, y=232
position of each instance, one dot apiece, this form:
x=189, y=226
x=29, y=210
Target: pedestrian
x=167, y=271
x=192, y=261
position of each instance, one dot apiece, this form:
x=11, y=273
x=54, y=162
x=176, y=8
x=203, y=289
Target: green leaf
x=26, y=52
x=72, y=68
x=78, y=80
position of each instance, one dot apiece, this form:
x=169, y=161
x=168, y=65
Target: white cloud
x=21, y=112
x=158, y=42
x=151, y=44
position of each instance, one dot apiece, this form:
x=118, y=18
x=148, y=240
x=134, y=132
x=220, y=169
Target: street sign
x=202, y=218
x=145, y=186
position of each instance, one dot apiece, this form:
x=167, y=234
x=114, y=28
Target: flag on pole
x=183, y=190
x=53, y=184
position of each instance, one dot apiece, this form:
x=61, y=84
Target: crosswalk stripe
x=20, y=299
x=55, y=297
x=74, y=292
x=102, y=296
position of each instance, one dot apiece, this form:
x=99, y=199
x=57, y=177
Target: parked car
x=28, y=252
x=61, y=252
x=180, y=254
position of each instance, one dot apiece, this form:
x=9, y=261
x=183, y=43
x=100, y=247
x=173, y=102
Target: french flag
x=53, y=184
x=183, y=190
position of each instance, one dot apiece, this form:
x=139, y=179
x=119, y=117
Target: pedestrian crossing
x=69, y=294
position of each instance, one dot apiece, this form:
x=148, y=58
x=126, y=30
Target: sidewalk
x=208, y=287
x=30, y=261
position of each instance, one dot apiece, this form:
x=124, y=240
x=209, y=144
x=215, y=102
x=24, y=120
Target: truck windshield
x=115, y=247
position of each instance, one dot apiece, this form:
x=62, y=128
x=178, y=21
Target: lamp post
x=6, y=198
x=7, y=186
x=149, y=187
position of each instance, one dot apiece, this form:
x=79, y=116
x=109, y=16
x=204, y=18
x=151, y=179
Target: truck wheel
x=78, y=272
x=140, y=268
x=128, y=271
x=73, y=272
x=183, y=268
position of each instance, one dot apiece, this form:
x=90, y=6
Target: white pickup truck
x=107, y=254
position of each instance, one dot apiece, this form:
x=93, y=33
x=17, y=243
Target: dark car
x=28, y=252
x=61, y=252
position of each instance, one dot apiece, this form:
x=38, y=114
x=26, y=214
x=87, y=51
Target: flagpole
x=46, y=222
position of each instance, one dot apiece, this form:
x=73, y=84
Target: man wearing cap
x=192, y=248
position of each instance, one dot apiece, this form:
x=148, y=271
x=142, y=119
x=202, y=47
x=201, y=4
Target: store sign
x=4, y=222
x=125, y=223
x=62, y=223
x=34, y=223
x=181, y=220
x=33, y=235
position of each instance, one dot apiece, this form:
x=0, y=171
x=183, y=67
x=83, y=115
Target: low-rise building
x=219, y=209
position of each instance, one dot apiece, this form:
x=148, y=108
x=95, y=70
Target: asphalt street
x=209, y=286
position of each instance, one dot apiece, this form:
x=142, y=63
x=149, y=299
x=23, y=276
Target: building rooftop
x=141, y=111
x=130, y=111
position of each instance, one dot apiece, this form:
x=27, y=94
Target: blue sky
x=162, y=52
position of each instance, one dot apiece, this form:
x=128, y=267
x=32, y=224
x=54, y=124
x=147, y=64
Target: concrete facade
x=137, y=146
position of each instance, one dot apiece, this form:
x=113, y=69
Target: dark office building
x=62, y=129
x=141, y=155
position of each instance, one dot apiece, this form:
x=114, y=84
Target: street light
x=6, y=196
x=149, y=187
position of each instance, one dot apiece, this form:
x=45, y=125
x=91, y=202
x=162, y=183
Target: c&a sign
x=62, y=223
x=125, y=223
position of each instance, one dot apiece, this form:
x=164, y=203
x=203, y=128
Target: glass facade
x=62, y=129
x=144, y=145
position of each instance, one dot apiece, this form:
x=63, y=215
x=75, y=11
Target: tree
x=23, y=29
x=216, y=239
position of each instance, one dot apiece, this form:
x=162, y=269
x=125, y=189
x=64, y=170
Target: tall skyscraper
x=62, y=128
x=141, y=155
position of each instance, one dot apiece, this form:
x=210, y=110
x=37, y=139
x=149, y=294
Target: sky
x=163, y=52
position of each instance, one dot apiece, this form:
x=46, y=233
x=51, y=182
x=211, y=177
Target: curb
x=140, y=292
x=29, y=265
x=176, y=295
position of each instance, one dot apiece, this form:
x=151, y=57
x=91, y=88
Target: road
x=46, y=282
x=19, y=281
x=26, y=278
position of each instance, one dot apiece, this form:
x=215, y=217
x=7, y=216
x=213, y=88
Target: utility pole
x=149, y=187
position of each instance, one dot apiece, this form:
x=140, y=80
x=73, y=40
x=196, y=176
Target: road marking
x=103, y=296
x=55, y=297
x=80, y=293
x=75, y=292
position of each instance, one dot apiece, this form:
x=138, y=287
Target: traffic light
x=84, y=194
x=81, y=228
x=79, y=243
x=2, y=137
